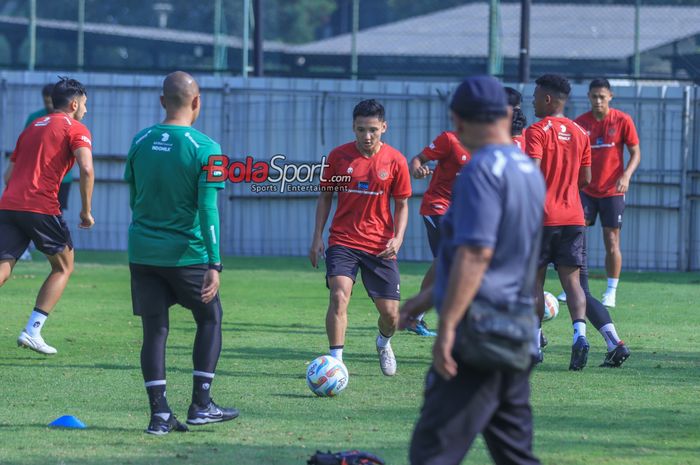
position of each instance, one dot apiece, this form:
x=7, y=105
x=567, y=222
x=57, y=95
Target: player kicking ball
x=30, y=210
x=174, y=250
x=364, y=236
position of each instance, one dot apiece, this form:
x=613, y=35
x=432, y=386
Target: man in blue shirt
x=489, y=241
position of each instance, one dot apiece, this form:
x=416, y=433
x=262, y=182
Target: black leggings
x=596, y=312
x=207, y=343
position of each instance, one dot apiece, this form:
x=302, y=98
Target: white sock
x=579, y=329
x=610, y=335
x=538, y=338
x=35, y=323
x=337, y=352
x=420, y=317
x=383, y=341
x=612, y=284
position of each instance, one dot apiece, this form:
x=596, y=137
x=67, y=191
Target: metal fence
x=365, y=39
x=305, y=119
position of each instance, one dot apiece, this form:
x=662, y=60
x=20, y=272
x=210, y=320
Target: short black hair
x=598, y=83
x=555, y=83
x=47, y=90
x=515, y=98
x=65, y=90
x=369, y=108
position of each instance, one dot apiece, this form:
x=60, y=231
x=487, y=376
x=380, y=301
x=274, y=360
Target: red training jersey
x=450, y=155
x=608, y=139
x=42, y=157
x=363, y=218
x=563, y=148
x=519, y=140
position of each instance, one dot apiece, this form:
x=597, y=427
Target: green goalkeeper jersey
x=170, y=195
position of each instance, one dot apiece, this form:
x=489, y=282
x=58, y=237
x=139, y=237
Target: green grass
x=645, y=413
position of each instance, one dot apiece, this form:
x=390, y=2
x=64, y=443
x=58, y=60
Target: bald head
x=179, y=90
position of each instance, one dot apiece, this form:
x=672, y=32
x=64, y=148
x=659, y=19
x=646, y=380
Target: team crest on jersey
x=611, y=131
x=349, y=170
x=383, y=175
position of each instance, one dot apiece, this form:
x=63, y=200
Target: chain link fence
x=364, y=39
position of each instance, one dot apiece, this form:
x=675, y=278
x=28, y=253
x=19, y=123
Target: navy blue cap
x=480, y=98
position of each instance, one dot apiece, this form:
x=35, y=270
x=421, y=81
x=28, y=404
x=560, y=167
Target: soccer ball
x=551, y=306
x=326, y=376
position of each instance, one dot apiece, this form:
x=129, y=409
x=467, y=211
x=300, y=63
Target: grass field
x=645, y=413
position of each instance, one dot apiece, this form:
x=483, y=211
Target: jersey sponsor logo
x=86, y=140
x=563, y=135
x=364, y=185
x=43, y=122
x=164, y=137
x=163, y=145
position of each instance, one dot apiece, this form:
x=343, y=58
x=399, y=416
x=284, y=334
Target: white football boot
x=36, y=343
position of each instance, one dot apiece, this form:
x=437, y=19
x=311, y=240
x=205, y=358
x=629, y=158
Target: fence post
x=684, y=226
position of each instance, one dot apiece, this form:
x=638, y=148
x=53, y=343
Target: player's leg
x=432, y=227
x=590, y=213
x=569, y=259
x=186, y=284
x=6, y=267
x=342, y=264
x=508, y=435
x=611, y=211
x=151, y=299
x=599, y=316
x=382, y=281
x=539, y=307
x=454, y=412
x=52, y=238
x=13, y=241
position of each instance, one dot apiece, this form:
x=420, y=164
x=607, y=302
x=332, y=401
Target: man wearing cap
x=488, y=248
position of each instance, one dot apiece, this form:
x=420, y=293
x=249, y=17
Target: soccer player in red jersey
x=366, y=173
x=29, y=207
x=562, y=150
x=609, y=130
x=451, y=156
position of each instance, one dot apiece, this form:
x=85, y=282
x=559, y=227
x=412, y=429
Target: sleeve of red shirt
x=629, y=132
x=439, y=149
x=79, y=137
x=586, y=158
x=401, y=185
x=534, y=142
x=328, y=170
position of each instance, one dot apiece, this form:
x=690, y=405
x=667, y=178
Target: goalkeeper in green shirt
x=174, y=249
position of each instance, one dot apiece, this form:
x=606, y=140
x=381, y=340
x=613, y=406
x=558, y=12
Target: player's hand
x=444, y=364
x=623, y=184
x=421, y=171
x=210, y=286
x=86, y=220
x=316, y=251
x=392, y=248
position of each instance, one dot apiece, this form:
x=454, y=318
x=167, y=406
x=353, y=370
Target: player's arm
x=534, y=144
x=323, y=209
x=8, y=172
x=584, y=177
x=418, y=167
x=209, y=226
x=400, y=223
x=635, y=159
x=83, y=156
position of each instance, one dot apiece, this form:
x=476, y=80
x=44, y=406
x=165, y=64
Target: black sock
x=201, y=386
x=157, y=400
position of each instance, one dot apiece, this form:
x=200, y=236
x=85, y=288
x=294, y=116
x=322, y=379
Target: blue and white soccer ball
x=551, y=306
x=326, y=376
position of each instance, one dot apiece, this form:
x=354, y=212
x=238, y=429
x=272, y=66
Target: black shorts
x=609, y=208
x=49, y=233
x=154, y=289
x=562, y=245
x=432, y=226
x=379, y=275
x=63, y=192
